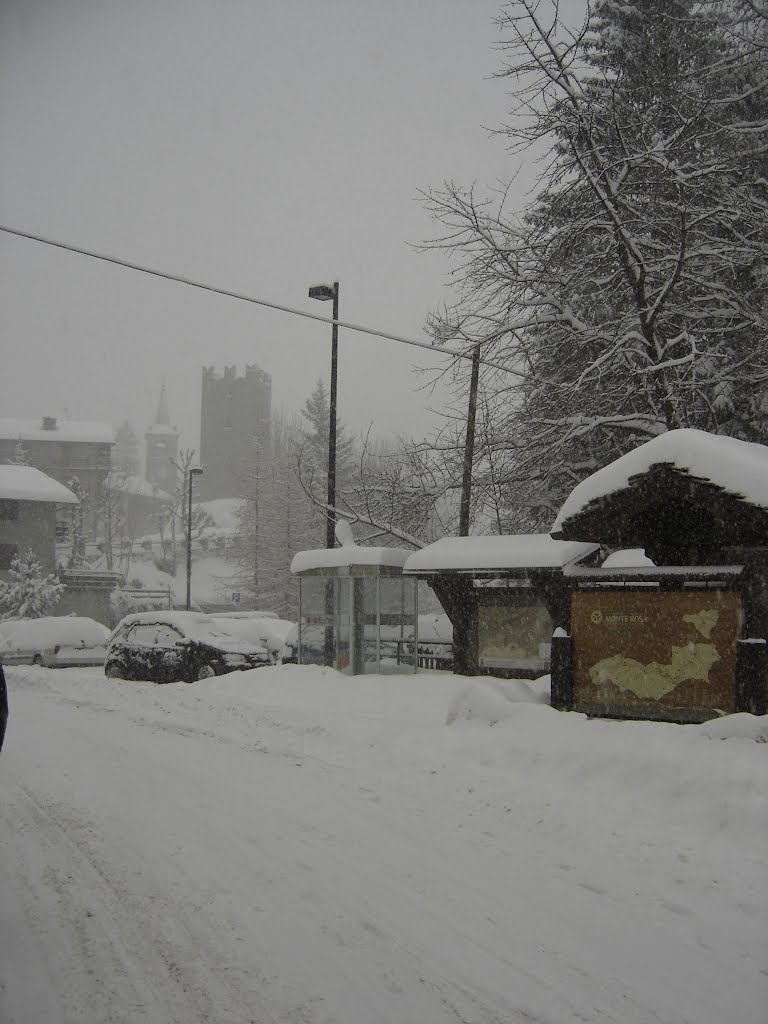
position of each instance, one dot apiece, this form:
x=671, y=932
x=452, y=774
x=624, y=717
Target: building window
x=7, y=554
x=9, y=509
x=62, y=531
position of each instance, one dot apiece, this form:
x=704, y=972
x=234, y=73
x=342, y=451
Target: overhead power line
x=242, y=297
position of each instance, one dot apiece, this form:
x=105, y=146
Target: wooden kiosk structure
x=683, y=640
x=502, y=595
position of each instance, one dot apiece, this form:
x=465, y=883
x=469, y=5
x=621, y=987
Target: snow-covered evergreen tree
x=21, y=455
x=79, y=519
x=28, y=594
x=317, y=413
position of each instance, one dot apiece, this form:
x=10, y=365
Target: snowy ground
x=290, y=845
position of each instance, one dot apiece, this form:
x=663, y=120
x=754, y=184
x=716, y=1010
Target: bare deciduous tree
x=630, y=297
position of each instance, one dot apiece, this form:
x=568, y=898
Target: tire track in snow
x=144, y=959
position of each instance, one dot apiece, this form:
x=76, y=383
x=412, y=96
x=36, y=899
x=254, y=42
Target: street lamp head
x=323, y=292
x=195, y=470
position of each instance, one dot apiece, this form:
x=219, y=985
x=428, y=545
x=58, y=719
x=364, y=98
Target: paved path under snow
x=159, y=866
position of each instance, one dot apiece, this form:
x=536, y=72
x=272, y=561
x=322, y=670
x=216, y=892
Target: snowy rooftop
x=32, y=429
x=348, y=556
x=738, y=467
x=500, y=554
x=25, y=483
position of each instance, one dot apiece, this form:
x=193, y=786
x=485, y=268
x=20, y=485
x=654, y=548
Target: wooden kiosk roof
x=684, y=490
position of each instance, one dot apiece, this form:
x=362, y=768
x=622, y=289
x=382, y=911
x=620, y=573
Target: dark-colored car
x=168, y=647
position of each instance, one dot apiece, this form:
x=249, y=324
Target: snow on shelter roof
x=738, y=467
x=56, y=429
x=497, y=554
x=25, y=483
x=346, y=557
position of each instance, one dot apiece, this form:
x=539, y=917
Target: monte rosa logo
x=618, y=618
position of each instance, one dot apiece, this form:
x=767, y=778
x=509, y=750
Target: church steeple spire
x=162, y=447
x=162, y=416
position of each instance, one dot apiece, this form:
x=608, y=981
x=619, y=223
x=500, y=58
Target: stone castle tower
x=161, y=448
x=234, y=422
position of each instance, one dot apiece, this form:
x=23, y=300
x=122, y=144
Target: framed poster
x=516, y=635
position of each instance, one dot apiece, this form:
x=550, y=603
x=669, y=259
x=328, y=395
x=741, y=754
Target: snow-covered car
x=56, y=641
x=169, y=646
x=264, y=628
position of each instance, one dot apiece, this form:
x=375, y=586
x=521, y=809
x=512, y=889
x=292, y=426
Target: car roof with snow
x=193, y=625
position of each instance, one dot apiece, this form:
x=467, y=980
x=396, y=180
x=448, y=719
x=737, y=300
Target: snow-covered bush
x=28, y=594
x=126, y=602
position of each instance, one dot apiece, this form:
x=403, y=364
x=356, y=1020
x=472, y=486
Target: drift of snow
x=628, y=558
x=295, y=845
x=738, y=467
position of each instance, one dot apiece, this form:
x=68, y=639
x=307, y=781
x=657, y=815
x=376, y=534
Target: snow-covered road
x=289, y=845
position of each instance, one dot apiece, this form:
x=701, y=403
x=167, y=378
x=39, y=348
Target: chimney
x=49, y=422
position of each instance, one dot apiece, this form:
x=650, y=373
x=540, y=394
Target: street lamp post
x=192, y=472
x=325, y=293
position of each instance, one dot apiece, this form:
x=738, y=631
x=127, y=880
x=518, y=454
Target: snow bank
x=491, y=701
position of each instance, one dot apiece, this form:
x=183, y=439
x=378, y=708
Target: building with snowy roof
x=62, y=449
x=28, y=503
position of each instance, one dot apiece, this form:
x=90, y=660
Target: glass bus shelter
x=357, y=612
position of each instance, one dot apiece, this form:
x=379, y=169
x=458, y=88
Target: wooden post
x=561, y=669
x=752, y=676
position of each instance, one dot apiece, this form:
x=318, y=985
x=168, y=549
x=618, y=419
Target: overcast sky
x=259, y=145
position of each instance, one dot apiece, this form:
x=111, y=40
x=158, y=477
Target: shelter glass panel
x=316, y=619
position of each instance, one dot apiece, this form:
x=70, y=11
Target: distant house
x=28, y=503
x=62, y=449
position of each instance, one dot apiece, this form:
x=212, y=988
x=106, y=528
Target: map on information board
x=677, y=649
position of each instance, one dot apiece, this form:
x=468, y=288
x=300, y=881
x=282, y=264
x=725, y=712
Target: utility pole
x=469, y=445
